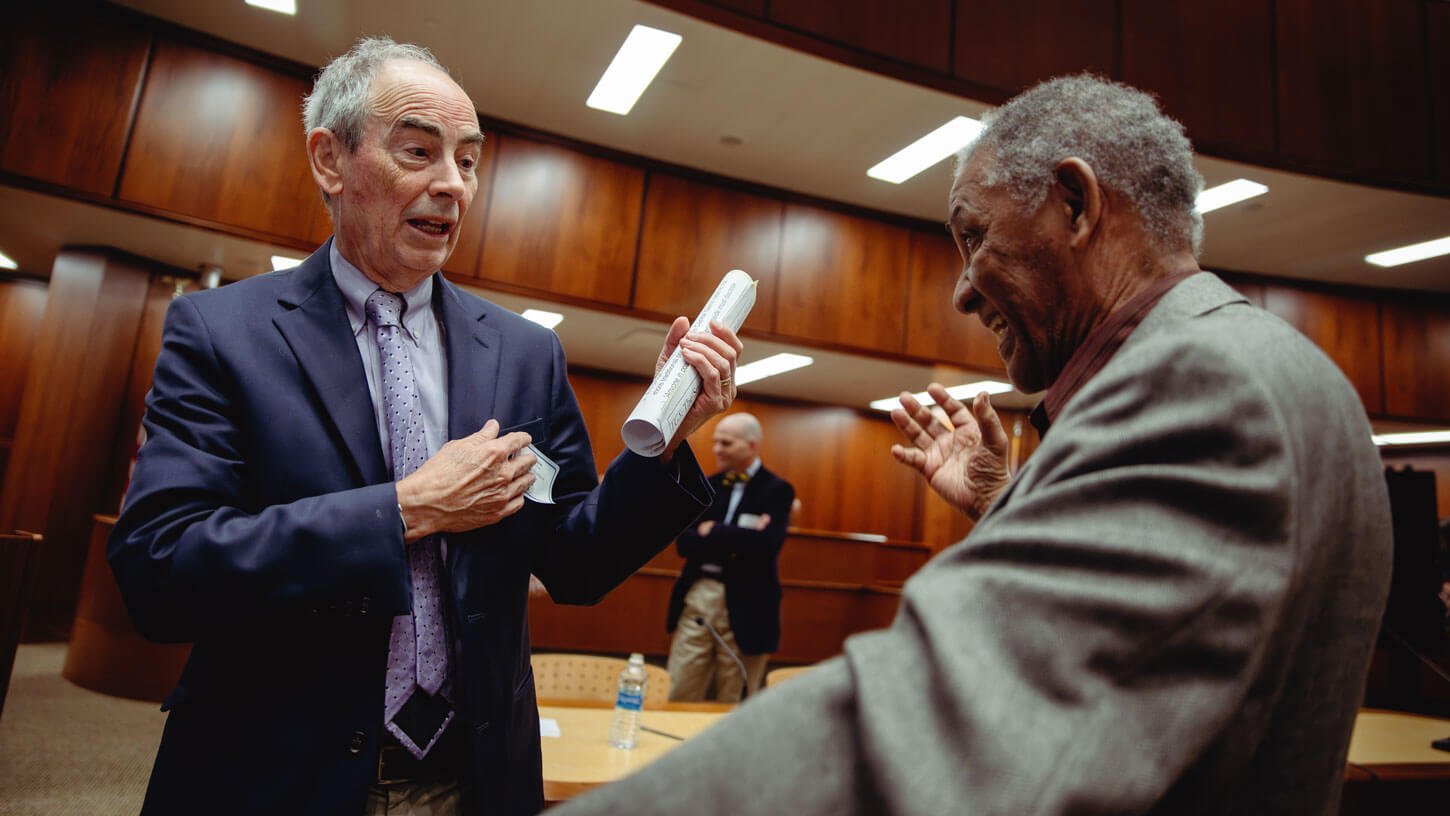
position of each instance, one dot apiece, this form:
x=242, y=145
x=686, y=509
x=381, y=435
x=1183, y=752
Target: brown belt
x=397, y=764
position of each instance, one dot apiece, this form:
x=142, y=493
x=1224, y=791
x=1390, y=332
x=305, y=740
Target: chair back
x=593, y=678
x=781, y=675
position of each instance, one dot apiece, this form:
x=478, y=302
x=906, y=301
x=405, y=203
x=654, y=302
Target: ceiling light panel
x=279, y=6
x=644, y=53
x=1412, y=438
x=1411, y=253
x=546, y=319
x=771, y=366
x=1216, y=198
x=964, y=391
x=926, y=151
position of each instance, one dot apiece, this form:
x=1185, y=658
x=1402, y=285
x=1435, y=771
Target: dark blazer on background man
x=262, y=524
x=752, y=583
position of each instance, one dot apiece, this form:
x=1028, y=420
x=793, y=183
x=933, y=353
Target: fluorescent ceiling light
x=1230, y=193
x=1412, y=438
x=284, y=262
x=6, y=262
x=283, y=6
x=1411, y=253
x=771, y=366
x=644, y=53
x=963, y=391
x=546, y=319
x=926, y=151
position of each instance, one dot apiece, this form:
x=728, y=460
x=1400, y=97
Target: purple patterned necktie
x=418, y=650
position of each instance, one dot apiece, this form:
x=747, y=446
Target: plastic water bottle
x=624, y=728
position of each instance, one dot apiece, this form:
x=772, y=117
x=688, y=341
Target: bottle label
x=632, y=700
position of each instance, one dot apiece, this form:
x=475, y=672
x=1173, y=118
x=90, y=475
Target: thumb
x=994, y=436
x=489, y=429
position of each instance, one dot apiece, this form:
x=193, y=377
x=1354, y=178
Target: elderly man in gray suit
x=1171, y=607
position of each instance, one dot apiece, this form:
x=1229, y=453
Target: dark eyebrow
x=409, y=122
x=418, y=124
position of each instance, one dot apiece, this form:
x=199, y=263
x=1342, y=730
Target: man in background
x=730, y=582
x=351, y=469
x=1170, y=608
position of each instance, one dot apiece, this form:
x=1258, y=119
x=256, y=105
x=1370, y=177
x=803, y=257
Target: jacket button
x=355, y=745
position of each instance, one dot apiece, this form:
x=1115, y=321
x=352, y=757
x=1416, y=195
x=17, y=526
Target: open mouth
x=430, y=226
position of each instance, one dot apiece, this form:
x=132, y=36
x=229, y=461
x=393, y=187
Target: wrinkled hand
x=967, y=463
x=713, y=355
x=763, y=521
x=470, y=483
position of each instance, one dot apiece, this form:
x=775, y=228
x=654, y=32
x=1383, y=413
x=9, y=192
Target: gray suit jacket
x=1170, y=610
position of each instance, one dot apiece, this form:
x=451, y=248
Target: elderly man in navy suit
x=351, y=469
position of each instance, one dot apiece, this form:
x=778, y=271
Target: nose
x=964, y=296
x=448, y=181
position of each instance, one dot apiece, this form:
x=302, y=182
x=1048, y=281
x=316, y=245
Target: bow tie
x=731, y=478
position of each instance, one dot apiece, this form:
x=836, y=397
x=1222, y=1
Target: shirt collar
x=1098, y=348
x=356, y=287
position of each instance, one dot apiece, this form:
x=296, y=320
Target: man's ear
x=325, y=156
x=1081, y=198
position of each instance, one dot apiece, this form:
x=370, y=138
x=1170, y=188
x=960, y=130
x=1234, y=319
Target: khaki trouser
x=696, y=659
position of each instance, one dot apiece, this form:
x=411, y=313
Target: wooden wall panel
x=1437, y=38
x=68, y=420
x=221, y=139
x=562, y=222
x=1416, y=336
x=693, y=234
x=840, y=464
x=138, y=382
x=912, y=31
x=1211, y=65
x=1014, y=45
x=842, y=279
x=463, y=263
x=67, y=84
x=934, y=327
x=1351, y=85
x=1346, y=328
x=22, y=308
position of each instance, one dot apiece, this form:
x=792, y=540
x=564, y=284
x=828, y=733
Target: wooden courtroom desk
x=581, y=757
x=1391, y=745
x=1386, y=747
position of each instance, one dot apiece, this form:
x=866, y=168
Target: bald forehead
x=741, y=425
x=404, y=88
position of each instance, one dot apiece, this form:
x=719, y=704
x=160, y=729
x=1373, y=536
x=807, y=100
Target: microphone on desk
x=739, y=664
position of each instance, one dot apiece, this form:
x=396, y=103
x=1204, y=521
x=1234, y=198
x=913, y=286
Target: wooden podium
x=106, y=652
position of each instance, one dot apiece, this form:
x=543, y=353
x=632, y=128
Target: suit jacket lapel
x=314, y=323
x=474, y=354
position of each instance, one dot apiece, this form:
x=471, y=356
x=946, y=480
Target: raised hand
x=469, y=483
x=965, y=463
x=713, y=355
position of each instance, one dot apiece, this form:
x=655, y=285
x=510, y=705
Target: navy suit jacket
x=262, y=524
x=752, y=581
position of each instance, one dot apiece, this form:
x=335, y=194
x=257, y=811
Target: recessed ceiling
x=735, y=106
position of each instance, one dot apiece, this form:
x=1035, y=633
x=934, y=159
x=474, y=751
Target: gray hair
x=339, y=98
x=1131, y=145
